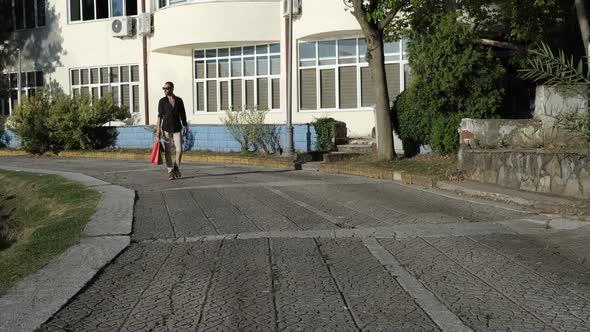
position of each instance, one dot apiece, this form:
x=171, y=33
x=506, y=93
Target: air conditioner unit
x=144, y=24
x=296, y=7
x=122, y=27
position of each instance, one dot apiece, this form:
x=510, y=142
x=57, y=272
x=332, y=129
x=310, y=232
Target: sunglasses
x=166, y=88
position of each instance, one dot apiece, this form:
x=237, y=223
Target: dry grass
x=439, y=166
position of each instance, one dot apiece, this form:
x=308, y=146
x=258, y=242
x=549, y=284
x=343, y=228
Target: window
x=29, y=14
x=88, y=10
x=237, y=78
x=166, y=3
x=31, y=83
x=334, y=74
x=121, y=82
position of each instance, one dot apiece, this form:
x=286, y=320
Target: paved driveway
x=232, y=248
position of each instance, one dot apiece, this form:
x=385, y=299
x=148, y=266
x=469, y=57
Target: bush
x=63, y=123
x=78, y=123
x=325, y=129
x=29, y=122
x=445, y=133
x=410, y=122
x=452, y=75
x=248, y=128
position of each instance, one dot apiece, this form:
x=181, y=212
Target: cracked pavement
x=235, y=248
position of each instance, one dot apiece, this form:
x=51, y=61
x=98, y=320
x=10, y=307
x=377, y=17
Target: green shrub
x=410, y=122
x=325, y=129
x=29, y=122
x=79, y=123
x=63, y=123
x=452, y=74
x=444, y=137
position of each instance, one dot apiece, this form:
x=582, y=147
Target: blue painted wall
x=200, y=137
x=10, y=139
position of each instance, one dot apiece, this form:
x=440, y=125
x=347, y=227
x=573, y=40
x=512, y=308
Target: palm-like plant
x=552, y=69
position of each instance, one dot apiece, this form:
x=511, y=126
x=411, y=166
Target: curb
x=216, y=159
x=547, y=206
x=432, y=182
x=12, y=153
x=36, y=298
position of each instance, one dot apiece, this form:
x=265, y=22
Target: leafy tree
x=453, y=77
x=374, y=16
x=508, y=24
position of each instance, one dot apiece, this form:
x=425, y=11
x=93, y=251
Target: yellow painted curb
x=216, y=159
x=10, y=153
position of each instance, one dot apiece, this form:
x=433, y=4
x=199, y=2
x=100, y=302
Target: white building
x=219, y=54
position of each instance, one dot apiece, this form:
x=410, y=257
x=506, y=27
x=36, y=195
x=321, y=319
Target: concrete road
x=232, y=248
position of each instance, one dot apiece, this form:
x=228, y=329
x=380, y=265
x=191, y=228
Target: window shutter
x=348, y=93
x=211, y=96
x=236, y=94
x=85, y=76
x=104, y=75
x=200, y=96
x=125, y=95
x=392, y=72
x=308, y=89
x=263, y=94
x=134, y=73
x=94, y=75
x=136, y=98
x=250, y=102
x=224, y=95
x=328, y=88
x=367, y=88
x=125, y=74
x=276, y=93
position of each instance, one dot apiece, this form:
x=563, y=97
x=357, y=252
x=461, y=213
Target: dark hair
x=170, y=83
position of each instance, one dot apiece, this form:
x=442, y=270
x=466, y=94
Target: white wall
x=178, y=31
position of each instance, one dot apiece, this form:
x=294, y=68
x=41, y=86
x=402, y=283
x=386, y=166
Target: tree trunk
x=375, y=57
x=584, y=27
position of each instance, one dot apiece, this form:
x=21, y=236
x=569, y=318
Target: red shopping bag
x=156, y=157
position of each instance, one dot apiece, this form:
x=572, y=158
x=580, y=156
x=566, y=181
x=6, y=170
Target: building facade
x=221, y=54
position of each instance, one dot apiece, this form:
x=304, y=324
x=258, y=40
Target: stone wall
x=533, y=155
x=542, y=171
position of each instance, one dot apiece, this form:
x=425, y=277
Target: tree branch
x=500, y=44
x=387, y=19
x=359, y=13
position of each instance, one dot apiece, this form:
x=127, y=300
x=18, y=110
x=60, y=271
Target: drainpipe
x=289, y=151
x=20, y=73
x=146, y=103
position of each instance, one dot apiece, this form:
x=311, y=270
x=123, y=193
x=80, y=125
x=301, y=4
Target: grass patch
x=49, y=212
x=434, y=165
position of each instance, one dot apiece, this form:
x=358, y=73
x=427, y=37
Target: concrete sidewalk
x=233, y=248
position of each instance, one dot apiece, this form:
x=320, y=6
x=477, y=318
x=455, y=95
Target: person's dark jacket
x=173, y=118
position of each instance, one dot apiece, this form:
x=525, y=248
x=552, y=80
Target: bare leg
x=168, y=142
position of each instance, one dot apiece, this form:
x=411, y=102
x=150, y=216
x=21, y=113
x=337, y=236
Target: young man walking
x=172, y=125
